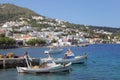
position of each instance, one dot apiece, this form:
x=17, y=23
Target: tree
x=38, y=41
x=2, y=35
x=53, y=41
x=7, y=42
x=31, y=42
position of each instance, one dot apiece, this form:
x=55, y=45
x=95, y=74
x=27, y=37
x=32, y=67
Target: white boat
x=48, y=67
x=76, y=59
x=54, y=50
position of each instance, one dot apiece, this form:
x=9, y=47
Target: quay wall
x=14, y=62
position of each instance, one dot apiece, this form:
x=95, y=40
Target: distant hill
x=11, y=12
x=109, y=29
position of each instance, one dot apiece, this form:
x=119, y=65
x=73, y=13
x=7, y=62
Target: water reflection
x=43, y=76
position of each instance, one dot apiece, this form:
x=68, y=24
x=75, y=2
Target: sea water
x=103, y=63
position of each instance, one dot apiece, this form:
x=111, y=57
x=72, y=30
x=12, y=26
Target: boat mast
x=27, y=63
x=47, y=53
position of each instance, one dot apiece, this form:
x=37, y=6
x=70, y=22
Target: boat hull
x=55, y=68
x=77, y=59
x=55, y=51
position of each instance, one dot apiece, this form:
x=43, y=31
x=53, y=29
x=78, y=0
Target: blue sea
x=103, y=63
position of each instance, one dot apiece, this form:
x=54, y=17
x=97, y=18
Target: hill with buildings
x=24, y=24
x=11, y=12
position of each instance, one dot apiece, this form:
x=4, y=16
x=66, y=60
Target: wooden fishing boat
x=44, y=68
x=76, y=59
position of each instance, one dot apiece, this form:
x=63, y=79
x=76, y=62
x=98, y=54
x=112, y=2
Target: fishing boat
x=54, y=50
x=76, y=59
x=44, y=67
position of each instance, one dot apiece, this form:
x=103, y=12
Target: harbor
x=99, y=65
x=59, y=40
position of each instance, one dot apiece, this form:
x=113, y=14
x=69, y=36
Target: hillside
x=10, y=12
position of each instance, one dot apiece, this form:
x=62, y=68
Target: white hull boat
x=76, y=59
x=51, y=68
x=48, y=67
x=55, y=51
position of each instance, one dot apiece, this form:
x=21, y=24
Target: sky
x=87, y=12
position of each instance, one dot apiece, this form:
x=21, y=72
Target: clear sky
x=88, y=12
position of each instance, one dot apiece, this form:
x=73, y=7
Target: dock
x=13, y=62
